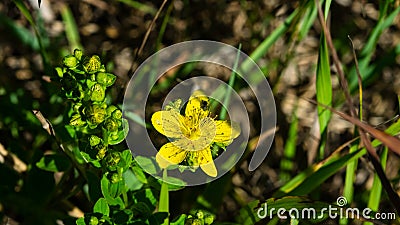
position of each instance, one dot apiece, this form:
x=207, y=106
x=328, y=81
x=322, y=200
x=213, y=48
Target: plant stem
x=163, y=205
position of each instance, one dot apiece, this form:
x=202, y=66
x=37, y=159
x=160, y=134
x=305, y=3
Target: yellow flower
x=193, y=134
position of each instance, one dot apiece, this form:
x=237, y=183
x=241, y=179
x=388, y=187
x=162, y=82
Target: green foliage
x=83, y=162
x=85, y=82
x=99, y=127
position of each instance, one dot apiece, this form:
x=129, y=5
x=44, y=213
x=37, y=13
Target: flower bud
x=101, y=151
x=59, y=72
x=199, y=214
x=93, y=220
x=70, y=61
x=76, y=120
x=209, y=219
x=117, y=114
x=111, y=125
x=76, y=107
x=95, y=114
x=78, y=54
x=94, y=140
x=111, y=109
x=92, y=64
x=112, y=160
x=97, y=93
x=193, y=221
x=115, y=178
x=192, y=160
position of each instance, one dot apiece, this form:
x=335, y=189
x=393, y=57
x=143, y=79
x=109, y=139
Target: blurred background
x=283, y=37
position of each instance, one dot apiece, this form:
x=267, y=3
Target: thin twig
x=336, y=61
x=49, y=128
x=358, y=76
x=146, y=36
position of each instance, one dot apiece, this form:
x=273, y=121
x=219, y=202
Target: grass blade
x=369, y=48
x=376, y=190
x=24, y=10
x=289, y=153
x=71, y=29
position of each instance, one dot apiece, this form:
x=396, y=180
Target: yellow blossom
x=192, y=134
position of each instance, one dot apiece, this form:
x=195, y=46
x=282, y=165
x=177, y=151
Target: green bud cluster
x=84, y=80
x=200, y=217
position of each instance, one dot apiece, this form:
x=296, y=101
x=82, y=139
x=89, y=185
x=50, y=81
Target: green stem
x=222, y=114
x=163, y=205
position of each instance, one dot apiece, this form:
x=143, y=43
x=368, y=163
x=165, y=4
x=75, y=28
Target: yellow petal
x=197, y=106
x=226, y=131
x=204, y=159
x=209, y=169
x=168, y=123
x=170, y=154
x=207, y=163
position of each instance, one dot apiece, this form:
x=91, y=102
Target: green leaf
x=131, y=181
x=126, y=155
x=81, y=221
x=54, y=163
x=157, y=218
x=94, y=188
x=148, y=164
x=108, y=195
x=102, y=207
x=146, y=196
x=121, y=133
x=123, y=217
x=175, y=184
x=115, y=189
x=180, y=220
x=137, y=170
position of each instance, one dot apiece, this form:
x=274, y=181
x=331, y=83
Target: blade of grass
x=290, y=21
x=369, y=49
x=24, y=10
x=20, y=33
x=323, y=86
x=136, y=118
x=163, y=26
x=270, y=40
x=222, y=114
x=376, y=190
x=140, y=6
x=289, y=152
x=298, y=180
x=348, y=190
x=388, y=140
x=71, y=29
x=308, y=21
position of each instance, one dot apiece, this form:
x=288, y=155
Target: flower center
x=197, y=136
